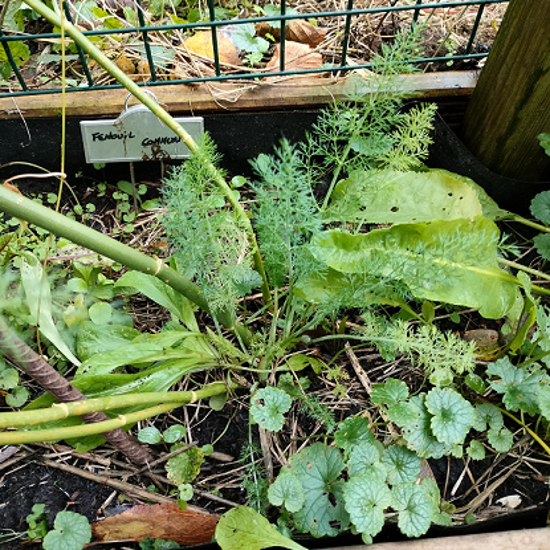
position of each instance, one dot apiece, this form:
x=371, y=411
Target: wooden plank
x=219, y=97
x=511, y=104
x=528, y=539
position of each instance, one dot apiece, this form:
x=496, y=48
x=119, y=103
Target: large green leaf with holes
x=391, y=196
x=450, y=261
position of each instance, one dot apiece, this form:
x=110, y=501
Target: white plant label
x=136, y=135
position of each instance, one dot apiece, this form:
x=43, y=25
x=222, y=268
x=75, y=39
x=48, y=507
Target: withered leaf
x=304, y=32
x=164, y=521
x=298, y=57
x=201, y=44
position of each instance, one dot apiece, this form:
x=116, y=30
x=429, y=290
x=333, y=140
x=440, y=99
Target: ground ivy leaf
x=453, y=416
x=243, y=527
x=150, y=435
x=71, y=532
x=287, y=490
x=390, y=392
x=415, y=509
x=417, y=429
x=353, y=431
x=268, y=408
x=174, y=433
x=540, y=207
x=318, y=468
x=488, y=414
x=520, y=385
x=542, y=244
x=501, y=440
x=403, y=466
x=365, y=459
x=366, y=498
x=476, y=450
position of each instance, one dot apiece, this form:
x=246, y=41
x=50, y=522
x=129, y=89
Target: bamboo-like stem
x=22, y=437
x=154, y=107
x=20, y=207
x=59, y=411
x=16, y=351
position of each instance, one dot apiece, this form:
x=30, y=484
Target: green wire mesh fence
x=136, y=34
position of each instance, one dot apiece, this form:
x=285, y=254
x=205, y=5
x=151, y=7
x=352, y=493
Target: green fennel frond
x=207, y=236
x=286, y=215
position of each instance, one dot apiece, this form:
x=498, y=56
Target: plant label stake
x=136, y=135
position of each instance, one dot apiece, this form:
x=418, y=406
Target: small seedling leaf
x=501, y=440
x=71, y=532
x=268, y=408
x=476, y=450
x=150, y=435
x=243, y=527
x=488, y=414
x=453, y=416
x=174, y=433
x=365, y=459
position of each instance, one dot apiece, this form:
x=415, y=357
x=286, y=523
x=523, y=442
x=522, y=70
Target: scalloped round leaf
x=415, y=509
x=287, y=491
x=365, y=459
x=501, y=440
x=268, y=408
x=353, y=431
x=71, y=532
x=101, y=313
x=453, y=416
x=184, y=467
x=476, y=450
x=540, y=207
x=402, y=465
x=488, y=414
x=544, y=140
x=542, y=242
x=390, y=392
x=366, y=498
x=243, y=528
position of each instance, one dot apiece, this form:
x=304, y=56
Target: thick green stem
x=59, y=411
x=30, y=211
x=528, y=223
x=150, y=102
x=72, y=432
x=535, y=272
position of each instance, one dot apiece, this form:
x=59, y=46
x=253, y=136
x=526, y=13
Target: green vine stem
x=154, y=107
x=20, y=207
x=528, y=430
x=23, y=437
x=17, y=352
x=528, y=223
x=59, y=411
x=534, y=272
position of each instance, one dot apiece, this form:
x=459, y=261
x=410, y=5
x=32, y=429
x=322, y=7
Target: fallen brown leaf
x=201, y=44
x=164, y=521
x=298, y=57
x=304, y=32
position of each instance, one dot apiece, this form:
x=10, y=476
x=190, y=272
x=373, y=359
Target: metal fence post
x=511, y=103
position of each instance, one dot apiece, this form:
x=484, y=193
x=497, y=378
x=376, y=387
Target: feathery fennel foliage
x=207, y=236
x=287, y=215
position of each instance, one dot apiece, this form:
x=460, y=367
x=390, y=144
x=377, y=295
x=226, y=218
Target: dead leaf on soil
x=201, y=44
x=298, y=57
x=297, y=30
x=165, y=521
